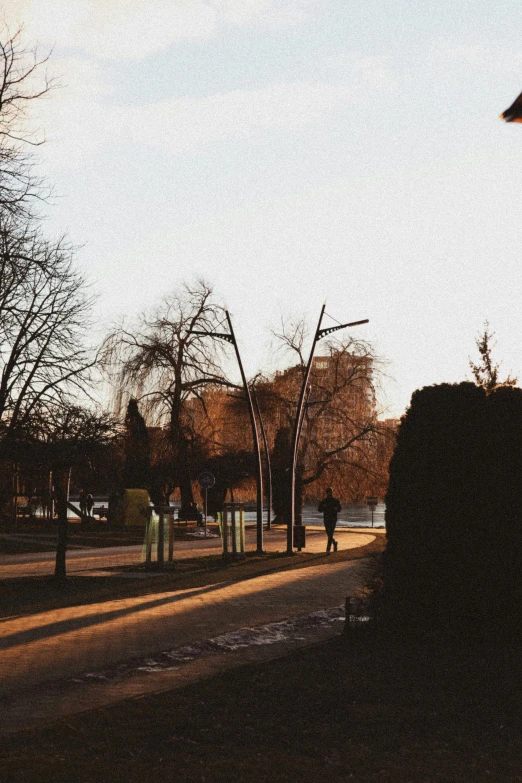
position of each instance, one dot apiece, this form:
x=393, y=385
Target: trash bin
x=299, y=537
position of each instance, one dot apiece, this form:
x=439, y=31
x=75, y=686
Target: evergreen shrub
x=454, y=512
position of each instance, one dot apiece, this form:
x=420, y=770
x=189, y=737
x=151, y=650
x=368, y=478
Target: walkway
x=87, y=561
x=65, y=643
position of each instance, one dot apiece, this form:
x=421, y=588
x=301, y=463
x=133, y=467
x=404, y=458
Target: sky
x=292, y=151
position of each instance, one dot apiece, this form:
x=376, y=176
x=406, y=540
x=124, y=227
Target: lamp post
x=298, y=422
x=268, y=466
x=231, y=338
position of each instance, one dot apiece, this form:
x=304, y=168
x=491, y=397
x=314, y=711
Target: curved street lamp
x=267, y=459
x=298, y=422
x=231, y=338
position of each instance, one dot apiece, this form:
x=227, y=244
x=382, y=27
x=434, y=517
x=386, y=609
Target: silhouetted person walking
x=89, y=503
x=330, y=507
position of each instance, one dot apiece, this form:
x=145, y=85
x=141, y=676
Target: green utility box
x=135, y=507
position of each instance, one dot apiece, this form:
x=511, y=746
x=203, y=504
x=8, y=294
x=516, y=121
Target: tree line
x=343, y=442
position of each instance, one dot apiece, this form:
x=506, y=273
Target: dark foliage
x=230, y=470
x=281, y=487
x=280, y=474
x=136, y=467
x=453, y=511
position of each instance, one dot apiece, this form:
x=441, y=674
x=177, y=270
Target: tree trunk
x=185, y=488
x=62, y=495
x=281, y=481
x=181, y=453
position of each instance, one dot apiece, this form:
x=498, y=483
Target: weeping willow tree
x=163, y=364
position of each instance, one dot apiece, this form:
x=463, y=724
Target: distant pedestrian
x=89, y=504
x=330, y=507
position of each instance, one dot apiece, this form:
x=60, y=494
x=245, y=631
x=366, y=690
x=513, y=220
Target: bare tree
x=44, y=315
x=160, y=362
x=44, y=306
x=23, y=78
x=486, y=372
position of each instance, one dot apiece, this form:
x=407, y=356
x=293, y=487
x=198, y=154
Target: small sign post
x=372, y=504
x=206, y=481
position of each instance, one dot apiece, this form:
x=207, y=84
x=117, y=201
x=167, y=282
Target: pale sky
x=291, y=151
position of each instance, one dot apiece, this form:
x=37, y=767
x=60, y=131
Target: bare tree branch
x=23, y=78
x=44, y=314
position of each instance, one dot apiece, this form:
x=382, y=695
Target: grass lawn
x=360, y=708
x=10, y=546
x=41, y=536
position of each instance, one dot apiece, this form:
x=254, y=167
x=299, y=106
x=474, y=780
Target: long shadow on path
x=76, y=623
x=302, y=577
x=36, y=594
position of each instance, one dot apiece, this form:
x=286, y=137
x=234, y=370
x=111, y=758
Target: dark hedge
x=454, y=512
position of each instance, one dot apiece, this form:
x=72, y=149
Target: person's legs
x=334, y=542
x=330, y=528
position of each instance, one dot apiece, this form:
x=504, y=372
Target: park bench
x=186, y=518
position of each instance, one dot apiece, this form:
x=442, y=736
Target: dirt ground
x=357, y=708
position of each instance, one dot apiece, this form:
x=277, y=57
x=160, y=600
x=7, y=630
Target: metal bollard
x=148, y=541
x=161, y=539
x=234, y=539
x=171, y=538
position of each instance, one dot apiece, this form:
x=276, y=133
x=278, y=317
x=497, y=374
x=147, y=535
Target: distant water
x=352, y=515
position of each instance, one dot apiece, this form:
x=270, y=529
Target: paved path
x=38, y=649
x=85, y=561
